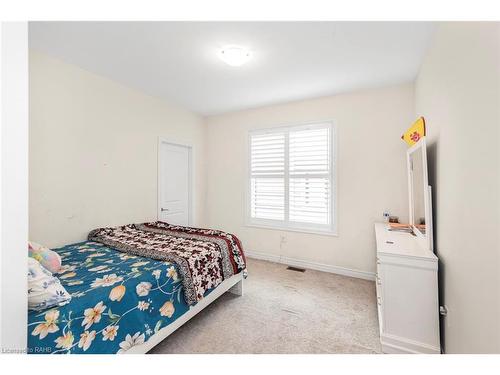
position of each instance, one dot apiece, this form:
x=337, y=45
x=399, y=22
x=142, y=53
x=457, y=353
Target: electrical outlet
x=282, y=240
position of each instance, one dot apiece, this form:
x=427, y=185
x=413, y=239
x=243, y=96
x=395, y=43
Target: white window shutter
x=309, y=176
x=267, y=164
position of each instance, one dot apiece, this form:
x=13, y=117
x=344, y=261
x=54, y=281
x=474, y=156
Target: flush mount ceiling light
x=234, y=55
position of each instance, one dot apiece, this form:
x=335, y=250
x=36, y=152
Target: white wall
x=93, y=152
x=14, y=186
x=369, y=125
x=457, y=91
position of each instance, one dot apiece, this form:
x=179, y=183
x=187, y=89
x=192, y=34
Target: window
x=291, y=178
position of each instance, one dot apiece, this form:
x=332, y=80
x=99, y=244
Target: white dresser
x=407, y=293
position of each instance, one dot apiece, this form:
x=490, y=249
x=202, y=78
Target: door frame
x=189, y=146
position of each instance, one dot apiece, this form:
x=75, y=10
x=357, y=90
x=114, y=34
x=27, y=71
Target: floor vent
x=296, y=269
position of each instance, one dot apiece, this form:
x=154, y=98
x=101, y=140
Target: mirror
x=418, y=190
x=419, y=193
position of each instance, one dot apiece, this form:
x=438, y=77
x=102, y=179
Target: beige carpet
x=284, y=311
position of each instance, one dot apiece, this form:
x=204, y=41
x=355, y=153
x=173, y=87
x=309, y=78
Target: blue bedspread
x=118, y=301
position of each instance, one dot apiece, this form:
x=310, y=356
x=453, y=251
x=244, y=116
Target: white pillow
x=44, y=290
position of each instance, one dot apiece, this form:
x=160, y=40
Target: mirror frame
x=424, y=239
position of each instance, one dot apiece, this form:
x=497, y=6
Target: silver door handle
x=164, y=209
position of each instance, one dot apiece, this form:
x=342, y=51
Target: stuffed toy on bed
x=49, y=259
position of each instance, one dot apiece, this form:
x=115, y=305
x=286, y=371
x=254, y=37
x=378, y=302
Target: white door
x=174, y=183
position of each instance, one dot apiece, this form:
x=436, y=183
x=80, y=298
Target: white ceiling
x=291, y=60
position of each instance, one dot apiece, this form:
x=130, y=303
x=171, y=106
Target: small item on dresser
x=398, y=227
x=393, y=219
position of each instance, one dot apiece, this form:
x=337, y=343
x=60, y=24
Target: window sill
x=298, y=230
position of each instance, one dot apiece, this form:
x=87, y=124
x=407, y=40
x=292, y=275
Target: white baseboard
x=392, y=344
x=311, y=265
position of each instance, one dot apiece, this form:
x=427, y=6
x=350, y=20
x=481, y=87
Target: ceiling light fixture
x=234, y=55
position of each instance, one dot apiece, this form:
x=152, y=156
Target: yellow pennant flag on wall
x=415, y=132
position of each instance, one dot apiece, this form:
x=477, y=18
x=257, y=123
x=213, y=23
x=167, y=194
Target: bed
x=132, y=286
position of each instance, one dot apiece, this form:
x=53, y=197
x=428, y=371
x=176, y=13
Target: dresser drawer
x=407, y=302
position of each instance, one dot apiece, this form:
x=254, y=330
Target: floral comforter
x=118, y=301
x=205, y=257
